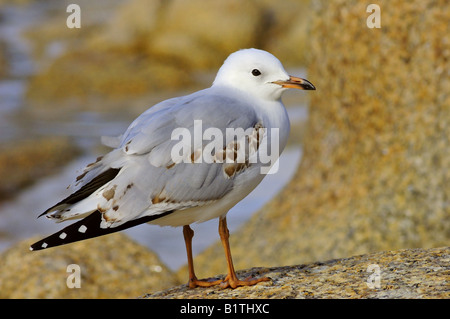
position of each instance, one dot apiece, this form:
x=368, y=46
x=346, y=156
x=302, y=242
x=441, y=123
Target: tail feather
x=88, y=227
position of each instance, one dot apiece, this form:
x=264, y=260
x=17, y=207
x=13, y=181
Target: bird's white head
x=259, y=73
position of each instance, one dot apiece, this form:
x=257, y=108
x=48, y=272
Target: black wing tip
x=38, y=245
x=74, y=232
x=56, y=239
x=88, y=227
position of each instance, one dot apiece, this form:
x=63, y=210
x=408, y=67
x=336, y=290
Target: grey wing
x=148, y=180
x=156, y=182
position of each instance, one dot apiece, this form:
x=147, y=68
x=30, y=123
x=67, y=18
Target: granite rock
x=403, y=274
x=111, y=266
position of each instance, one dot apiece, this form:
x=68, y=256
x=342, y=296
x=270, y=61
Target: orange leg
x=231, y=279
x=193, y=281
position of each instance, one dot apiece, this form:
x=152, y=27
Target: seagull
x=157, y=173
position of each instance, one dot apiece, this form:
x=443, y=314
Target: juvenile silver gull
x=187, y=159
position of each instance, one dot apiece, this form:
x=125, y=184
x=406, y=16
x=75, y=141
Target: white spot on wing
x=82, y=229
x=44, y=245
x=63, y=235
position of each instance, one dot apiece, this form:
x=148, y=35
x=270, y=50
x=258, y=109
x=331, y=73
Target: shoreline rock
x=112, y=266
x=403, y=274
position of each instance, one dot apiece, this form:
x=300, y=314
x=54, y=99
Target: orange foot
x=234, y=282
x=225, y=283
x=194, y=282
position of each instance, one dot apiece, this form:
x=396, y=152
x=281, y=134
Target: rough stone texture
x=111, y=266
x=411, y=273
x=376, y=164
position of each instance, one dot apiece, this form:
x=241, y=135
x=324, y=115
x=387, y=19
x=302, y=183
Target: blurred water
x=20, y=66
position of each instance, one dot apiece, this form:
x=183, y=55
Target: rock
x=375, y=167
x=202, y=34
x=111, y=266
x=146, y=46
x=403, y=274
x=23, y=162
x=107, y=74
x=202, y=38
x=3, y=61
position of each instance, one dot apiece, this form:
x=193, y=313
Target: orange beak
x=296, y=83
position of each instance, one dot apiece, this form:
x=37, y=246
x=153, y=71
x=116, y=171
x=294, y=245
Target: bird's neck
x=276, y=117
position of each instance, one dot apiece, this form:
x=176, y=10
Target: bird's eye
x=256, y=72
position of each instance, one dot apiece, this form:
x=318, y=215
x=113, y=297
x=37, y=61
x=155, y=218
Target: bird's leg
x=188, y=233
x=231, y=279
